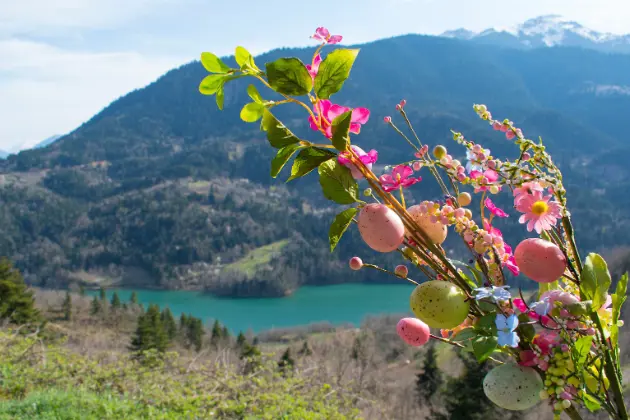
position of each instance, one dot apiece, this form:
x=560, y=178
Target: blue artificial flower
x=506, y=327
x=495, y=293
x=542, y=307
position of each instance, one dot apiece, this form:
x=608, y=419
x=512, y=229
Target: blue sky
x=62, y=61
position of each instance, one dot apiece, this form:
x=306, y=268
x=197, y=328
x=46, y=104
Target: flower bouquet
x=562, y=345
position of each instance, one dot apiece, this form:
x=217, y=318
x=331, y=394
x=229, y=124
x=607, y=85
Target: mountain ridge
x=546, y=31
x=160, y=189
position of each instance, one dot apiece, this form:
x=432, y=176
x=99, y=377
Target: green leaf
x=340, y=129
x=595, y=280
x=282, y=157
x=307, y=160
x=333, y=72
x=486, y=324
x=211, y=84
x=339, y=226
x=591, y=403
x=464, y=335
x=483, y=346
x=337, y=183
x=525, y=330
x=580, y=351
x=618, y=300
x=252, y=112
x=289, y=76
x=213, y=64
x=253, y=93
x=220, y=97
x=278, y=135
x=245, y=59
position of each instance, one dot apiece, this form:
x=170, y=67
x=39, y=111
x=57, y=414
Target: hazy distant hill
x=48, y=141
x=161, y=189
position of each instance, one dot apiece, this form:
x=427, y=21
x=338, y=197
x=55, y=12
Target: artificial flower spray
x=561, y=346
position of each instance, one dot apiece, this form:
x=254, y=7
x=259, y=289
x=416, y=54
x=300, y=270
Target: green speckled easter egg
x=439, y=304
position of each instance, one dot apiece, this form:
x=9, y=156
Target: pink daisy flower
x=525, y=189
x=539, y=213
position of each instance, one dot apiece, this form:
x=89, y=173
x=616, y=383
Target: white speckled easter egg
x=513, y=387
x=436, y=231
x=381, y=228
x=439, y=304
x=413, y=331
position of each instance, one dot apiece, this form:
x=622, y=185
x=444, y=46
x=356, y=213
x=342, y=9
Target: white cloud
x=47, y=90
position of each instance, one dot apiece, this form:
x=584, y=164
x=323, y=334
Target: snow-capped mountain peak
x=548, y=30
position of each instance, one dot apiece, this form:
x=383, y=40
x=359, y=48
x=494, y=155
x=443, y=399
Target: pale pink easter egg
x=540, y=260
x=381, y=228
x=413, y=331
x=435, y=231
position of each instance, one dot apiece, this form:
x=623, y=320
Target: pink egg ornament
x=435, y=231
x=413, y=331
x=540, y=260
x=381, y=228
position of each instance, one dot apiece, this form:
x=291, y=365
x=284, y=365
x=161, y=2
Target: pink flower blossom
x=539, y=212
x=314, y=68
x=526, y=189
x=326, y=112
x=322, y=34
x=494, y=209
x=366, y=158
x=400, y=177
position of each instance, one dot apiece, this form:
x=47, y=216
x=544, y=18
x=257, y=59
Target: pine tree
x=170, y=326
x=240, y=340
x=251, y=355
x=464, y=397
x=116, y=304
x=16, y=301
x=217, y=334
x=195, y=332
x=81, y=290
x=183, y=322
x=95, y=306
x=286, y=361
x=67, y=307
x=305, y=350
x=150, y=333
x=133, y=299
x=225, y=333
x=102, y=294
x=429, y=381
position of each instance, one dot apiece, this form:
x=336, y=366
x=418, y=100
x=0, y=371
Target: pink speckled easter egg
x=381, y=228
x=435, y=231
x=540, y=260
x=413, y=331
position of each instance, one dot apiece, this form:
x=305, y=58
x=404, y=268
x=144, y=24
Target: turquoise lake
x=345, y=303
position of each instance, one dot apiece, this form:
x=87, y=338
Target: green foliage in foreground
x=70, y=386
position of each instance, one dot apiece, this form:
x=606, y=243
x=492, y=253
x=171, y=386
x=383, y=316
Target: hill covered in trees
x=162, y=190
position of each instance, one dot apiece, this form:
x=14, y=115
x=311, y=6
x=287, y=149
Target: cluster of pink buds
x=505, y=126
